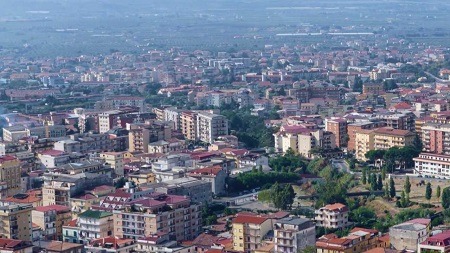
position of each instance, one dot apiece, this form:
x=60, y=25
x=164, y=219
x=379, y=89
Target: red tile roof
x=57, y=208
x=251, y=219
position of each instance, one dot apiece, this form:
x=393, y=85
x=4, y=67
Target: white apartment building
x=210, y=126
x=293, y=235
x=432, y=165
x=332, y=216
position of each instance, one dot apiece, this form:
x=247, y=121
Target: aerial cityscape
x=240, y=126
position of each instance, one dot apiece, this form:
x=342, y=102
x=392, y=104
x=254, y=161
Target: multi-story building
x=15, y=220
x=111, y=244
x=338, y=127
x=249, y=231
x=171, y=214
x=189, y=125
x=373, y=88
x=53, y=131
x=115, y=160
x=53, y=158
x=59, y=188
x=116, y=102
x=89, y=198
x=381, y=139
x=15, y=246
x=14, y=133
x=436, y=243
x=210, y=126
x=51, y=220
x=141, y=134
x=432, y=165
x=166, y=146
x=332, y=216
x=10, y=174
x=95, y=224
x=357, y=241
x=198, y=191
x=293, y=235
x=161, y=243
x=408, y=235
x=398, y=120
x=436, y=138
x=302, y=139
x=355, y=127
x=214, y=174
x=62, y=247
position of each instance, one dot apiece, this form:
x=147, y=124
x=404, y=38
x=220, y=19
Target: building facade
x=332, y=216
x=292, y=235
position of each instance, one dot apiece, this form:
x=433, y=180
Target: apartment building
x=15, y=221
x=216, y=175
x=188, y=124
x=161, y=243
x=95, y=224
x=353, y=128
x=373, y=88
x=436, y=138
x=398, y=120
x=60, y=188
x=166, y=146
x=303, y=138
x=292, y=235
x=141, y=134
x=338, y=126
x=199, y=191
x=15, y=246
x=111, y=244
x=436, y=243
x=332, y=216
x=175, y=215
x=89, y=198
x=381, y=139
x=51, y=219
x=10, y=173
x=432, y=165
x=357, y=241
x=109, y=119
x=249, y=231
x=53, y=131
x=14, y=133
x=115, y=160
x=210, y=126
x=408, y=235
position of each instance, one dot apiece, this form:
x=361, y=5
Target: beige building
x=171, y=214
x=141, y=134
x=51, y=220
x=248, y=231
x=292, y=234
x=189, y=125
x=381, y=139
x=302, y=139
x=166, y=146
x=407, y=235
x=332, y=216
x=10, y=174
x=115, y=159
x=15, y=220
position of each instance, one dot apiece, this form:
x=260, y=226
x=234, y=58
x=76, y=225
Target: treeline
x=256, y=178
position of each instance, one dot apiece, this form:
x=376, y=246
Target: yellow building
x=357, y=241
x=10, y=174
x=381, y=139
x=248, y=231
x=189, y=125
x=15, y=221
x=142, y=177
x=115, y=159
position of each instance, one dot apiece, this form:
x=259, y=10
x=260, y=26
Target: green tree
x=438, y=192
x=391, y=188
x=428, y=191
x=446, y=198
x=282, y=196
x=386, y=191
x=373, y=182
x=363, y=217
x=309, y=249
x=403, y=200
x=120, y=183
x=379, y=183
x=407, y=186
x=364, y=176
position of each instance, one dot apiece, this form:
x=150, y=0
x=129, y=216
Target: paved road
x=437, y=78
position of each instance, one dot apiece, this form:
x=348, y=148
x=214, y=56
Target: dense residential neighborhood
x=333, y=146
